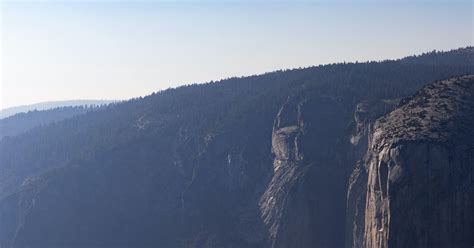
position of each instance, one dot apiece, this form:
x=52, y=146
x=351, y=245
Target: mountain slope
x=243, y=162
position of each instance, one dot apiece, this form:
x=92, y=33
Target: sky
x=108, y=49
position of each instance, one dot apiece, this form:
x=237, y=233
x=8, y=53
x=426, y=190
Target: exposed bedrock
x=420, y=188
x=364, y=116
x=304, y=204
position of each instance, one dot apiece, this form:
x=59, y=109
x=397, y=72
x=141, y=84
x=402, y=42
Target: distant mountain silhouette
x=4, y=113
x=23, y=122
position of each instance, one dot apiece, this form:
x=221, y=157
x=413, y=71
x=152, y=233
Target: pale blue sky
x=57, y=50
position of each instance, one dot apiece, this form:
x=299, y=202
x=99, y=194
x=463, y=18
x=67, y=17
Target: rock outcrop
x=420, y=188
x=303, y=205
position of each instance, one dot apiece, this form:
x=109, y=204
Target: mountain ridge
x=202, y=165
x=11, y=111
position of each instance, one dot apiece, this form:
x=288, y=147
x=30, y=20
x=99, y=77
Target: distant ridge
x=4, y=113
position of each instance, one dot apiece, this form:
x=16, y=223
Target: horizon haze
x=62, y=50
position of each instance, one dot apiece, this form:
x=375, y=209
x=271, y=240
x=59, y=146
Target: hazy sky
x=56, y=50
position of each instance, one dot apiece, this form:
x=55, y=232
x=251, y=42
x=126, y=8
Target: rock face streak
x=420, y=184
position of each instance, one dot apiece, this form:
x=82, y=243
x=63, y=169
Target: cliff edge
x=420, y=188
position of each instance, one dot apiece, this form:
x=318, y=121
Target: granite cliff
x=420, y=187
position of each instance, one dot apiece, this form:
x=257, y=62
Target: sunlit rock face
x=420, y=188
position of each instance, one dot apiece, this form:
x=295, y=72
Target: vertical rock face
x=303, y=205
x=365, y=115
x=420, y=188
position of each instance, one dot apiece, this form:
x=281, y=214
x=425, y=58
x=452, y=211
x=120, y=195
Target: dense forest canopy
x=22, y=122
x=216, y=107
